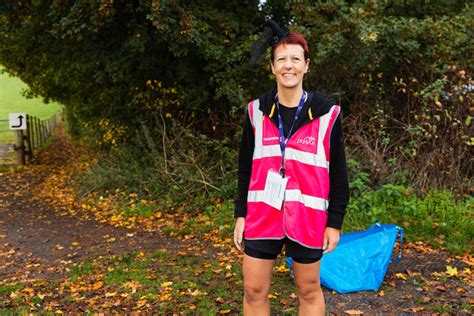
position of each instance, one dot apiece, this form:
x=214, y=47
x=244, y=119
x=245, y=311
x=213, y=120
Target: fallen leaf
x=224, y=311
x=166, y=284
x=196, y=292
x=468, y=259
x=354, y=312
x=141, y=303
x=281, y=268
x=165, y=297
x=401, y=276
x=451, y=272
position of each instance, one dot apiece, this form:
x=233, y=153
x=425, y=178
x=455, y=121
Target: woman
x=293, y=187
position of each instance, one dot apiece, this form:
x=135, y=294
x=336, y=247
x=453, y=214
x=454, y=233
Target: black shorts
x=270, y=248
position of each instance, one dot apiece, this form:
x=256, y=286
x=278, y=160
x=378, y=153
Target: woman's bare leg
x=257, y=280
x=310, y=294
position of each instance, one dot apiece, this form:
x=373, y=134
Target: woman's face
x=289, y=65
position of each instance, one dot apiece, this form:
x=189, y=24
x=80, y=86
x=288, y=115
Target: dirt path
x=39, y=240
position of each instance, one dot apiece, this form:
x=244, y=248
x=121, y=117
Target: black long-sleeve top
x=319, y=105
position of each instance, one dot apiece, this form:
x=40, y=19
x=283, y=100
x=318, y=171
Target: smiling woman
x=12, y=101
x=288, y=196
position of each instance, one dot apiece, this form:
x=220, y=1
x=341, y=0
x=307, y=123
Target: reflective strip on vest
x=303, y=216
x=292, y=154
x=293, y=196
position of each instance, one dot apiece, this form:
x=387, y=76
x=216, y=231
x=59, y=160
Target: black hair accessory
x=271, y=36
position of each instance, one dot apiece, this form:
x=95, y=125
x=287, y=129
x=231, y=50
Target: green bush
x=435, y=216
x=167, y=163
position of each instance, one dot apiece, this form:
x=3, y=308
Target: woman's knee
x=309, y=290
x=254, y=292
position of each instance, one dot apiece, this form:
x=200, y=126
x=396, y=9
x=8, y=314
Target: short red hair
x=293, y=38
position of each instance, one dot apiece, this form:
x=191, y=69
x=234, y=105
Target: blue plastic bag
x=360, y=260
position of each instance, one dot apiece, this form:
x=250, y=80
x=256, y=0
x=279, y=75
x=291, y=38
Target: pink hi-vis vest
x=303, y=215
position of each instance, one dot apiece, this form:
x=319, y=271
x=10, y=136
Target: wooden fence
x=20, y=150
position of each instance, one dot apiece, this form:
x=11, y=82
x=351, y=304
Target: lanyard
x=283, y=139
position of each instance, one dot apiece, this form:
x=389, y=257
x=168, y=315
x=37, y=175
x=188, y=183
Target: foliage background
x=169, y=80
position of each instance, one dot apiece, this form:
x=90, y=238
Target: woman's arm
x=247, y=145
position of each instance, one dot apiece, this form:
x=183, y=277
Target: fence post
x=38, y=140
x=29, y=152
x=41, y=124
x=45, y=127
x=45, y=131
x=20, y=148
x=31, y=132
x=38, y=126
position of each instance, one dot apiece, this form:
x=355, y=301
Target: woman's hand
x=331, y=239
x=239, y=233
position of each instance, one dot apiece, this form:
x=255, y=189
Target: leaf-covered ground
x=63, y=253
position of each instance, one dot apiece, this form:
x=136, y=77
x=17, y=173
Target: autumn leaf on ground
x=166, y=284
x=401, y=276
x=142, y=302
x=451, y=272
x=281, y=268
x=135, y=285
x=195, y=292
x=165, y=297
x=97, y=285
x=354, y=312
